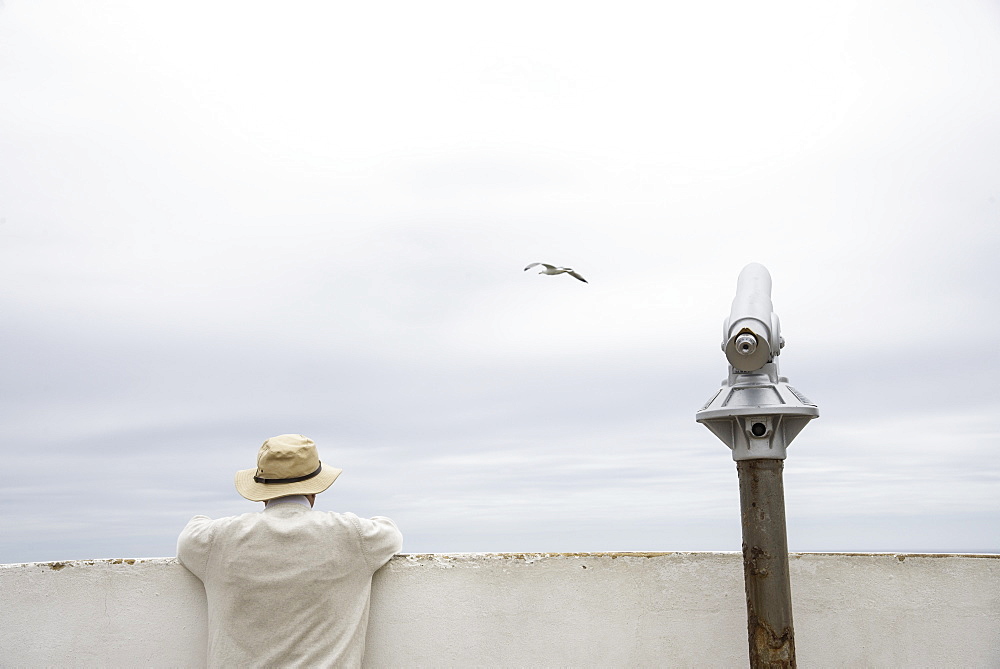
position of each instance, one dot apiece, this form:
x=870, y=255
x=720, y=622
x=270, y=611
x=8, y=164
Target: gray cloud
x=207, y=247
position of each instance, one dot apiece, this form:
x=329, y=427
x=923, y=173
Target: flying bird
x=552, y=269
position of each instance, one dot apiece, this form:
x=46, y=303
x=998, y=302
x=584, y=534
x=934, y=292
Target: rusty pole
x=765, y=564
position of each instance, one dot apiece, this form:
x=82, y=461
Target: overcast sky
x=224, y=221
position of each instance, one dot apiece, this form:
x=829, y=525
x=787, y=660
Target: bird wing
x=576, y=276
x=534, y=264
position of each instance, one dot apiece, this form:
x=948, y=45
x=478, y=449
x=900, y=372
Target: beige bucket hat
x=286, y=465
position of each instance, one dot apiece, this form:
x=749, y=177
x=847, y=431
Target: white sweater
x=288, y=586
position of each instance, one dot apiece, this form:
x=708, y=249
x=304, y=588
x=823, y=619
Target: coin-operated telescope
x=755, y=412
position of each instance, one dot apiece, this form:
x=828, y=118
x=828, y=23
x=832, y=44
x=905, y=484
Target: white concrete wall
x=613, y=609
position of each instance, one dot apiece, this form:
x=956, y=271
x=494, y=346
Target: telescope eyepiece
x=746, y=344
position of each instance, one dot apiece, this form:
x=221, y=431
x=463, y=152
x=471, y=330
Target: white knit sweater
x=288, y=586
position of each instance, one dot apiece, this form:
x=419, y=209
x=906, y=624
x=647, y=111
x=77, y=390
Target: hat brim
x=261, y=492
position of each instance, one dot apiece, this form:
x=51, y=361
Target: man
x=287, y=586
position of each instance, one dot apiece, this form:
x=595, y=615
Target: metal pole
x=765, y=564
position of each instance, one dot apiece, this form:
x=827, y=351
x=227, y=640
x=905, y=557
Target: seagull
x=552, y=269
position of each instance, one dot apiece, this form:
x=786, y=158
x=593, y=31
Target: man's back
x=289, y=585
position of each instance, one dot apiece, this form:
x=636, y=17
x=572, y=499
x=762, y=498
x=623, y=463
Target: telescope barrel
x=753, y=298
x=751, y=338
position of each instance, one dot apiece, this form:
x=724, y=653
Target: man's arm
x=194, y=545
x=380, y=538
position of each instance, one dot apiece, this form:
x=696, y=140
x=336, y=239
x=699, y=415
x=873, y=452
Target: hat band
x=294, y=479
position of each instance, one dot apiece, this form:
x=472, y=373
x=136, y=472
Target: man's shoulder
x=348, y=518
x=338, y=518
x=222, y=520
x=364, y=527
x=194, y=544
x=344, y=516
x=202, y=528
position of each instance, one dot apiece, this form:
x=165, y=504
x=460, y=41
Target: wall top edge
x=533, y=557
